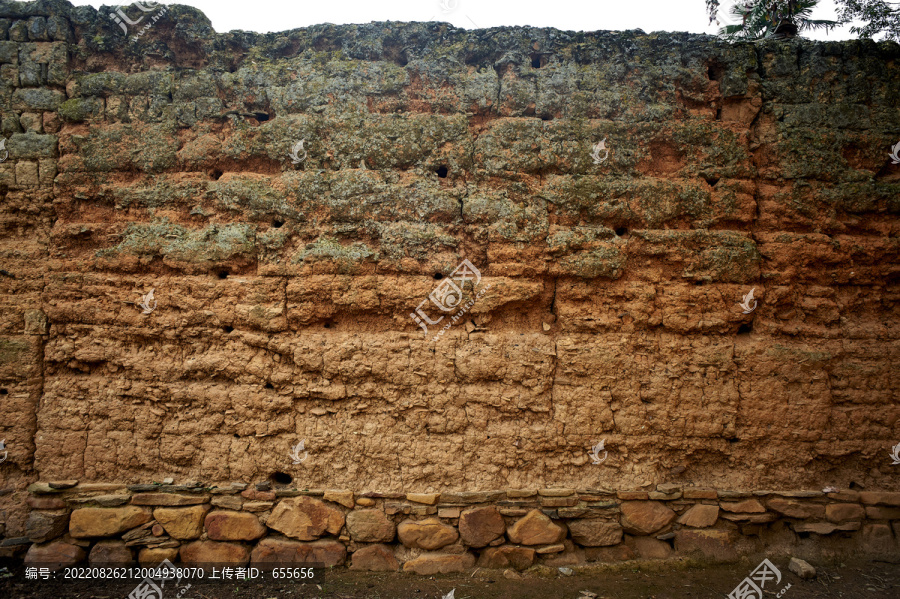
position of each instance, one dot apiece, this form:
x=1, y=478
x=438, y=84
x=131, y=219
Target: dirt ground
x=847, y=579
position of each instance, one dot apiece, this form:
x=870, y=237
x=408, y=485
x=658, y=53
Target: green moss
x=163, y=238
x=567, y=240
x=650, y=202
x=328, y=248
x=607, y=262
x=100, y=84
x=156, y=191
x=254, y=197
x=717, y=151
x=720, y=256
x=79, y=109
x=150, y=148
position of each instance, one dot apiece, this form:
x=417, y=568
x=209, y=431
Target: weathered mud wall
x=285, y=286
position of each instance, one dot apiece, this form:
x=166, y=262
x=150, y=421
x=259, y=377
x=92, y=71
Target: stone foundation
x=427, y=533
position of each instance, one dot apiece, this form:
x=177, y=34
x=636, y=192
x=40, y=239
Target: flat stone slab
x=168, y=499
x=63, y=484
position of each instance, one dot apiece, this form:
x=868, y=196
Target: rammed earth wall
x=292, y=283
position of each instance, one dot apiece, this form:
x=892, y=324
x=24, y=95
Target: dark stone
x=142, y=488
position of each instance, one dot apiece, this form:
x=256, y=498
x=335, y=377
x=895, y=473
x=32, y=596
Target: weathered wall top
x=605, y=305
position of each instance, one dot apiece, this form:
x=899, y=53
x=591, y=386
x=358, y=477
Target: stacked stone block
x=427, y=533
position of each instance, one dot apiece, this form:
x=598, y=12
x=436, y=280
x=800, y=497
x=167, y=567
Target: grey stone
x=37, y=99
x=81, y=109
x=33, y=145
x=801, y=568
x=142, y=488
x=18, y=31
x=37, y=29
x=58, y=29
x=9, y=52
x=43, y=526
x=31, y=74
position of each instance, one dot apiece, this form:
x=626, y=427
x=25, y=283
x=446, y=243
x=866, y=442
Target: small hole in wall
x=854, y=485
x=745, y=329
x=328, y=324
x=269, y=386
x=711, y=181
x=215, y=174
x=4, y=392
x=227, y=329
x=237, y=436
x=622, y=231
x=262, y=117
x=715, y=71
x=277, y=223
x=719, y=114
x=438, y=276
x=442, y=171
x=546, y=116
x=281, y=478
x=223, y=274
x=536, y=61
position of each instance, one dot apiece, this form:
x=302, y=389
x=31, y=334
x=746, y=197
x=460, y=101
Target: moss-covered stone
x=80, y=109
x=165, y=239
